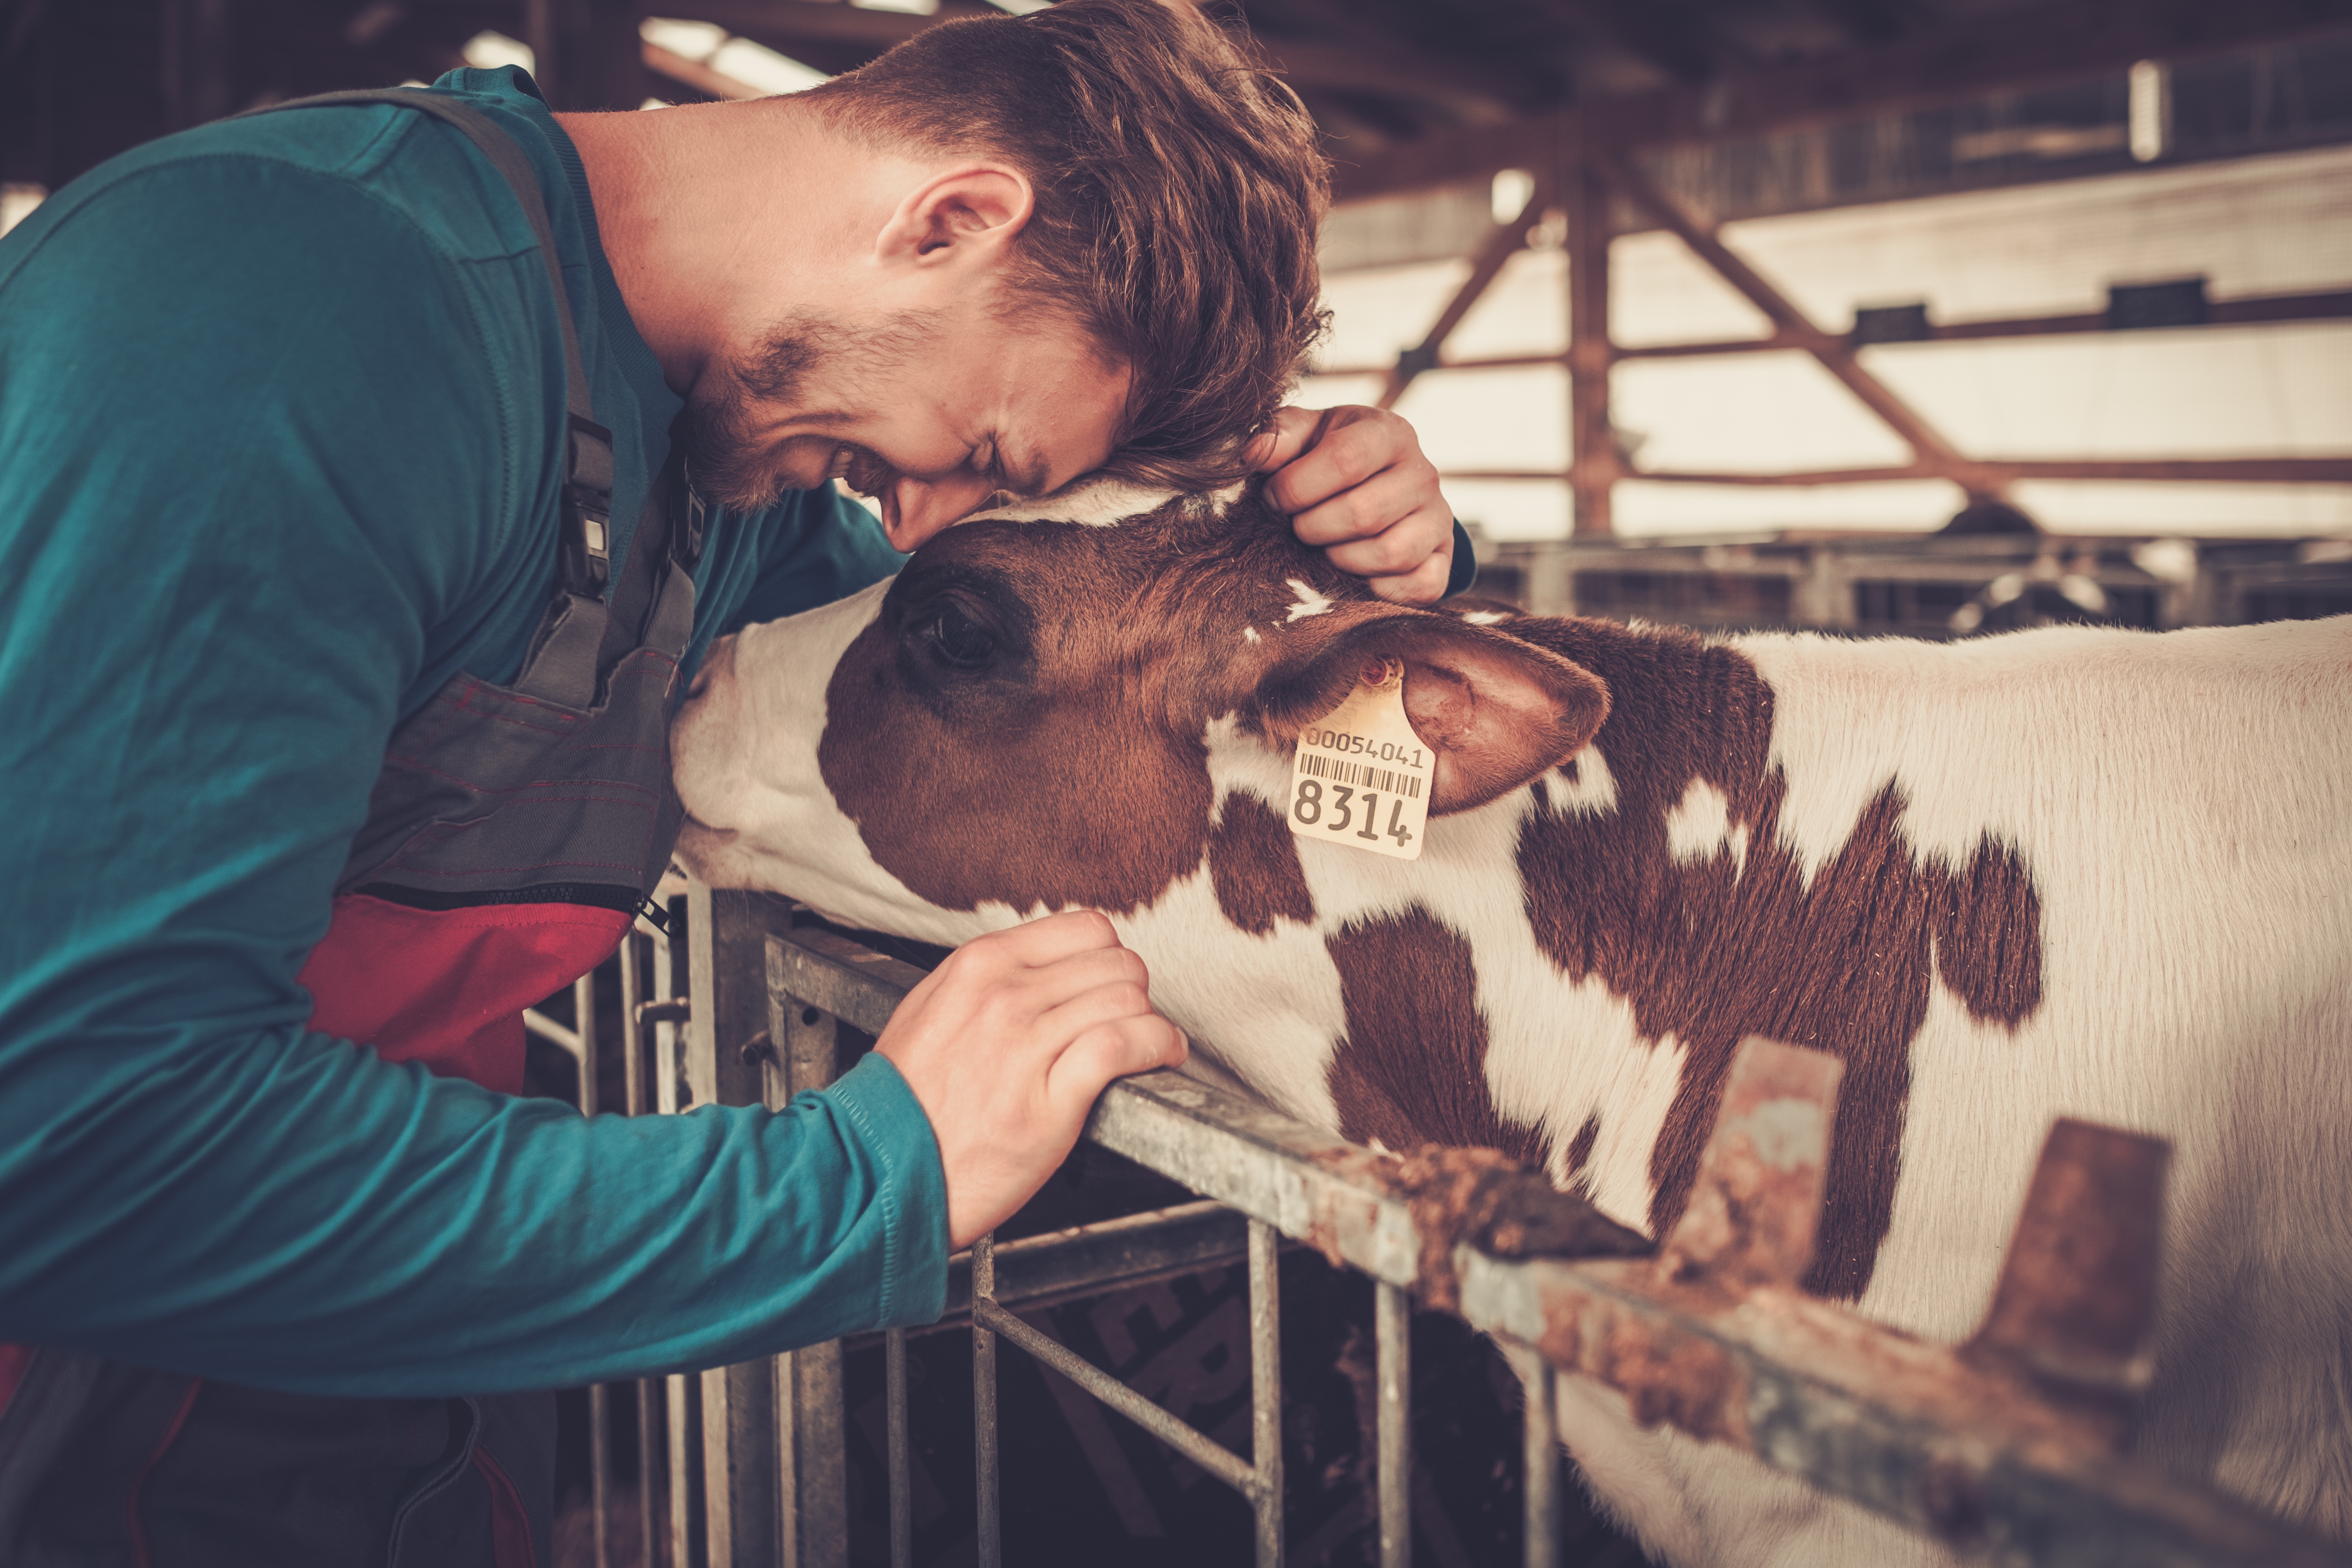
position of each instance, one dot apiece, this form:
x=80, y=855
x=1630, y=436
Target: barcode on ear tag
x=1362, y=776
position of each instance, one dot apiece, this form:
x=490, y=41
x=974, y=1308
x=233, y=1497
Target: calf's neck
x=2079, y=872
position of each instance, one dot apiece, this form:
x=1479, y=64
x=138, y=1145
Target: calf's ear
x=1495, y=710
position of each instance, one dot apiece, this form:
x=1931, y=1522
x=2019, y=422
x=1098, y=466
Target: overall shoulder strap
x=563, y=656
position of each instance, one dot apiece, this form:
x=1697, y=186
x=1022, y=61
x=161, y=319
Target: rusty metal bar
x=1392, y=1370
x=1701, y=1338
x=1266, y=1391
x=2078, y=1285
x=983, y=1400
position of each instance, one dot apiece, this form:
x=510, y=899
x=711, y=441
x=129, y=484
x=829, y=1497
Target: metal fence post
x=727, y=934
x=600, y=1445
x=983, y=1404
x=1265, y=1389
x=901, y=1479
x=812, y=1473
x=1542, y=1464
x=635, y=1101
x=1392, y=1354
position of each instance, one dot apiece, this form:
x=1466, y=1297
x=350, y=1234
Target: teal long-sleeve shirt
x=278, y=404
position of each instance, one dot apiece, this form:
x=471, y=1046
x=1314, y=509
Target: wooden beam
x=1306, y=62
x=2205, y=470
x=2248, y=310
x=1927, y=445
x=1660, y=36
x=782, y=23
x=1593, y=464
x=1490, y=81
x=2054, y=44
x=1503, y=241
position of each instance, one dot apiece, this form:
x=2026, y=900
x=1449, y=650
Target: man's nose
x=921, y=508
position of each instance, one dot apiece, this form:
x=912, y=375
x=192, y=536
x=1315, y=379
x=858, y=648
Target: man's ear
x=1497, y=711
x=969, y=211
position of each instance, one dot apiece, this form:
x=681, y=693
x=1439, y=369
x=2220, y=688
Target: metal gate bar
x=580, y=1042
x=1712, y=1336
x=1258, y=1479
x=1392, y=1373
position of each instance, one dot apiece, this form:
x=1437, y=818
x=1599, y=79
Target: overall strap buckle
x=693, y=521
x=586, y=542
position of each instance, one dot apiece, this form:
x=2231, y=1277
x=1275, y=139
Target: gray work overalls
x=512, y=833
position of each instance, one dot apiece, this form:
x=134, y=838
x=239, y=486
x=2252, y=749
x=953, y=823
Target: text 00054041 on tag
x=1362, y=776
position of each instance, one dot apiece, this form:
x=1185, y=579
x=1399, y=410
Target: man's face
x=930, y=413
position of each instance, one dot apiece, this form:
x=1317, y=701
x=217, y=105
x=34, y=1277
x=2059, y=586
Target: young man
x=371, y=477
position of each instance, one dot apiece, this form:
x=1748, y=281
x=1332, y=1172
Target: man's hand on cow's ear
x=1357, y=487
x=1007, y=1046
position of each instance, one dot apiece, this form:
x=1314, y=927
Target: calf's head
x=1020, y=720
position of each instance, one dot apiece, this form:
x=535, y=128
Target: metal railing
x=1930, y=586
x=2008, y=1444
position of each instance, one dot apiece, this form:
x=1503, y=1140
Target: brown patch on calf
x=1411, y=1068
x=1714, y=950
x=1579, y=1155
x=1988, y=935
x=1253, y=865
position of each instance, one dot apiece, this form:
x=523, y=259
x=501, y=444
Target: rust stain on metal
x=1486, y=1198
x=2078, y=1283
x=1686, y=1382
x=1757, y=1200
x=1338, y=1211
x=1667, y=1373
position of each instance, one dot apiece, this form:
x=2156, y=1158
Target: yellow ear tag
x=1362, y=776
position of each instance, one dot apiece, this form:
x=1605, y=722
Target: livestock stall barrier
x=2008, y=1446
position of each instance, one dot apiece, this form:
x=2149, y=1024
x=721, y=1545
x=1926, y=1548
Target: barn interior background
x=1936, y=316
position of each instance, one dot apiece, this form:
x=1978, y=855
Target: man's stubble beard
x=729, y=462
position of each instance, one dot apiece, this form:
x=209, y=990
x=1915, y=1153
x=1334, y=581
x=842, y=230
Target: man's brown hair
x=1178, y=188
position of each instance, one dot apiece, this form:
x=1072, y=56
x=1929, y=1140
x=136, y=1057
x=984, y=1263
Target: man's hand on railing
x=1008, y=1044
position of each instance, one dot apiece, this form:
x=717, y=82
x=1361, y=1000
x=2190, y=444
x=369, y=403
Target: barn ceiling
x=1412, y=93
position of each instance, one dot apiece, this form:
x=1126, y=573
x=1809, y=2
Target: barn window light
x=756, y=65
x=487, y=50
x=2151, y=111
x=688, y=40
x=728, y=67
x=17, y=202
x=1021, y=7
x=912, y=7
x=1513, y=189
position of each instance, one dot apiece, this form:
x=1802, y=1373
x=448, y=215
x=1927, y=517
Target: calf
x=2093, y=873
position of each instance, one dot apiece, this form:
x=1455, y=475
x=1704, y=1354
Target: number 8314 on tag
x=1362, y=776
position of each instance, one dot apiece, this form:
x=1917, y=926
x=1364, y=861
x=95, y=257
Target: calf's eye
x=960, y=642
